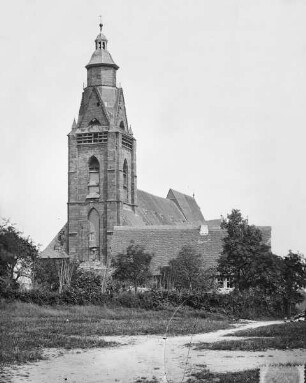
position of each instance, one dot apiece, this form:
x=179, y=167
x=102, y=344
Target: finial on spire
x=100, y=24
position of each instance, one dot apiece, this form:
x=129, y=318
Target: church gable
x=94, y=110
x=155, y=210
x=188, y=206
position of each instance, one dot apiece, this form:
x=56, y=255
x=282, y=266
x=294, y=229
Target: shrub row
x=249, y=304
x=70, y=296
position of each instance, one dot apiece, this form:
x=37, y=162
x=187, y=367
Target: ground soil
x=169, y=359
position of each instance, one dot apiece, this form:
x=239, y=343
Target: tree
x=293, y=279
x=132, y=266
x=187, y=271
x=17, y=255
x=55, y=273
x=46, y=275
x=244, y=254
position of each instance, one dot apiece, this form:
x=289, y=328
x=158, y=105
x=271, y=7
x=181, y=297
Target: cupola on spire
x=101, y=40
x=101, y=56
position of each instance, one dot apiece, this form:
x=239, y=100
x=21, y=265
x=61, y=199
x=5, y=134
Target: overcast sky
x=215, y=93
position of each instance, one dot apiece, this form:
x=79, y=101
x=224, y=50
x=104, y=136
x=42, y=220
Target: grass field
x=280, y=336
x=25, y=329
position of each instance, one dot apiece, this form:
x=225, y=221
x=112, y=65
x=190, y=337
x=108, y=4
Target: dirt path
x=147, y=356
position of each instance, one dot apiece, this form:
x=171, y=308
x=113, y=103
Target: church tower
x=101, y=161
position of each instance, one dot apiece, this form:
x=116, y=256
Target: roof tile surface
x=187, y=205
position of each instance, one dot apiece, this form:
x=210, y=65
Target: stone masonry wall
x=109, y=205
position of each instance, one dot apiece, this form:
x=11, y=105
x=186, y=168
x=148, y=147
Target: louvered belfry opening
x=94, y=178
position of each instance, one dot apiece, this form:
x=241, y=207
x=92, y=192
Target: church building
x=106, y=210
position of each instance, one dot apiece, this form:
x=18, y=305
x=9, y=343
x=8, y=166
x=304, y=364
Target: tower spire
x=100, y=24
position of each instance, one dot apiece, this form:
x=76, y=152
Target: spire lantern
x=101, y=56
x=101, y=40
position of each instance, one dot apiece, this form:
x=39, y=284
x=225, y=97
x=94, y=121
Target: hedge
x=248, y=305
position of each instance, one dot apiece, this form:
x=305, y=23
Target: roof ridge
x=154, y=195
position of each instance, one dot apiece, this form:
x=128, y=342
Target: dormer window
x=94, y=121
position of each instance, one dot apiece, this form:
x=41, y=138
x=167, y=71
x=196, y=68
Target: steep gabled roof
x=155, y=210
x=92, y=106
x=129, y=218
x=188, y=206
x=57, y=247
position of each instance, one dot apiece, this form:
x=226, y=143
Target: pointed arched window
x=121, y=125
x=94, y=178
x=125, y=180
x=125, y=174
x=93, y=234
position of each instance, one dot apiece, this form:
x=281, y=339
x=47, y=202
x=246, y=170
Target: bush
x=86, y=280
x=250, y=304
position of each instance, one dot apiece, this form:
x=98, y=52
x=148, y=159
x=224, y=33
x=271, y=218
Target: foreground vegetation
x=205, y=376
x=27, y=328
x=249, y=304
x=280, y=336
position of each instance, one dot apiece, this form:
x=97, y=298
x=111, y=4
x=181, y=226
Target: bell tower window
x=94, y=178
x=125, y=174
x=125, y=180
x=93, y=235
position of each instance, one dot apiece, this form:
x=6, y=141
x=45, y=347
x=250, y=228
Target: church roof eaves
x=157, y=227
